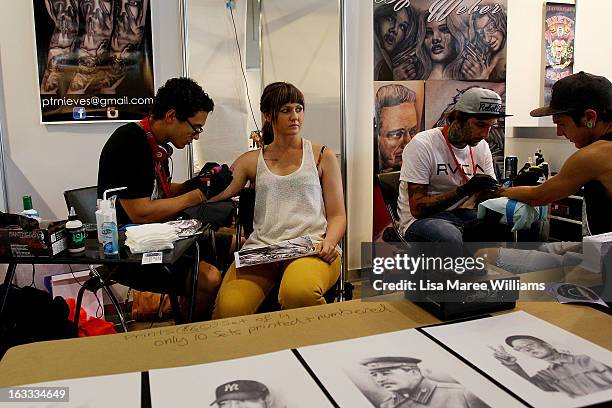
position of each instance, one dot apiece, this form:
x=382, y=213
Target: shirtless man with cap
x=581, y=107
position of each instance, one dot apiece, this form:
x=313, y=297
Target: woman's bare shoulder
x=247, y=159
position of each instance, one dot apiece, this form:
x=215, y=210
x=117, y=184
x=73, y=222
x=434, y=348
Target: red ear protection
x=161, y=155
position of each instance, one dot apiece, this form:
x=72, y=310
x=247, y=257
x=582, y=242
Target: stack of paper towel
x=150, y=237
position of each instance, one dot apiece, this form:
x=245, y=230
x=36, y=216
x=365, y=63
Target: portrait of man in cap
x=409, y=387
x=242, y=394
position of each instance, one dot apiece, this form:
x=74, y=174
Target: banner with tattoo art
x=95, y=59
x=559, y=30
x=426, y=54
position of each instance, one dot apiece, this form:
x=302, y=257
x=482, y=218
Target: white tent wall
x=215, y=64
x=301, y=44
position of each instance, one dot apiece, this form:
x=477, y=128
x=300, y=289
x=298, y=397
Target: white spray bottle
x=106, y=219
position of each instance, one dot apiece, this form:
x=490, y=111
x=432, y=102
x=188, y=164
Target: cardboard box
x=48, y=240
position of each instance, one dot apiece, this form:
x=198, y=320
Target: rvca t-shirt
x=426, y=159
x=126, y=161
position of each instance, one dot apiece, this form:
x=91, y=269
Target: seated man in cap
x=403, y=378
x=445, y=169
x=581, y=107
x=242, y=394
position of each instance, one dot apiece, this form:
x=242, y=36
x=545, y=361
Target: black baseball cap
x=578, y=92
x=240, y=390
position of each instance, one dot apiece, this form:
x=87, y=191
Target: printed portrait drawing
x=243, y=394
x=574, y=375
x=395, y=35
x=411, y=43
x=290, y=249
x=440, y=47
x=401, y=382
x=398, y=111
x=93, y=46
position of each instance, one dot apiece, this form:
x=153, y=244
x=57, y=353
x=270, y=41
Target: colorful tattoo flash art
x=559, y=38
x=94, y=58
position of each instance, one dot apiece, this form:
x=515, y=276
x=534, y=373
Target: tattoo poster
x=400, y=369
x=432, y=42
x=95, y=59
x=541, y=363
x=394, y=126
x=559, y=32
x=267, y=380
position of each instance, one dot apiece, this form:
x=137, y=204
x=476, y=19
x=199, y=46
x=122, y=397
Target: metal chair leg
x=194, y=284
x=116, y=305
x=77, y=309
x=176, y=308
x=8, y=279
x=111, y=296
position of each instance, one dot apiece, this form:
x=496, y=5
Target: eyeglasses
x=196, y=130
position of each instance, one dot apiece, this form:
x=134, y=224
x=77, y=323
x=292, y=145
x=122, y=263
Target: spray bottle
x=106, y=218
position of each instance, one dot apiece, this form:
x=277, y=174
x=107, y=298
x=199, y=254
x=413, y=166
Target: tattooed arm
x=423, y=205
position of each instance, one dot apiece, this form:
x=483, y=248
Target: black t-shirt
x=126, y=161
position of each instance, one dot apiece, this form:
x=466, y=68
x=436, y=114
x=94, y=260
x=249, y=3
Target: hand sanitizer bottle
x=106, y=217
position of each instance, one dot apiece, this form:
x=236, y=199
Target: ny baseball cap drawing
x=481, y=101
x=240, y=390
x=578, y=92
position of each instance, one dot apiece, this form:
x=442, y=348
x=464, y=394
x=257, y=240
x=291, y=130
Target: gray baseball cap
x=481, y=101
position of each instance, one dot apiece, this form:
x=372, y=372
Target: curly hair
x=456, y=27
x=500, y=20
x=184, y=95
x=388, y=10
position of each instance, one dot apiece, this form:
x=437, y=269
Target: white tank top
x=290, y=206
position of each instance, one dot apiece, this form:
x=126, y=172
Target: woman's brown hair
x=274, y=96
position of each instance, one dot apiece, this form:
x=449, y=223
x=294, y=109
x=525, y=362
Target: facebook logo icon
x=79, y=113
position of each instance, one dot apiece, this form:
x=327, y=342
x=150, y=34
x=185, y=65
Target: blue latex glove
x=518, y=215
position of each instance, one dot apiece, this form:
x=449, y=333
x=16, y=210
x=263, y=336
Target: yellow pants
x=303, y=283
